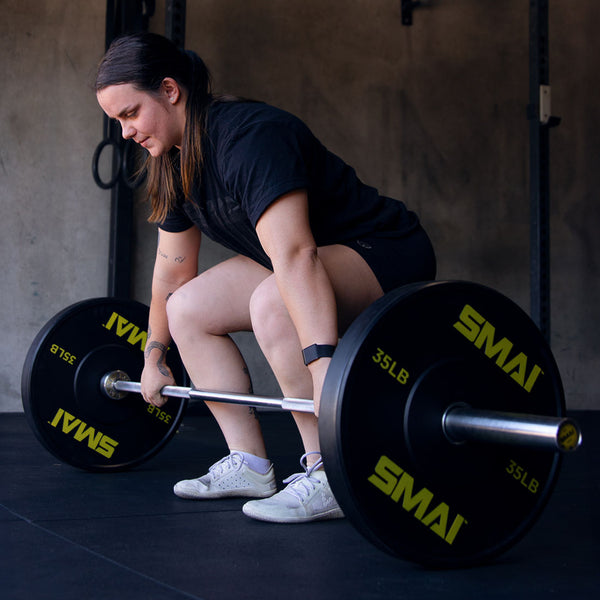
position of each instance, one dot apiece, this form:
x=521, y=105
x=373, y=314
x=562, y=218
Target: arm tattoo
x=162, y=368
x=179, y=259
x=162, y=254
x=160, y=363
x=152, y=345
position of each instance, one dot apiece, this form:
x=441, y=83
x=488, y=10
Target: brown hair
x=144, y=60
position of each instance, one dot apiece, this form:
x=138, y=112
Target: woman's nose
x=128, y=131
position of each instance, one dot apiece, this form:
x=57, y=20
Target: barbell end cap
x=107, y=384
x=568, y=437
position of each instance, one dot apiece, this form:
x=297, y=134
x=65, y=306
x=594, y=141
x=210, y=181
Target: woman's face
x=156, y=121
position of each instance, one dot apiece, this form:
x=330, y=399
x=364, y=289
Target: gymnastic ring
x=131, y=182
x=106, y=185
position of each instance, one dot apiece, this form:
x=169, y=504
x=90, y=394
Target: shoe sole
x=225, y=494
x=335, y=513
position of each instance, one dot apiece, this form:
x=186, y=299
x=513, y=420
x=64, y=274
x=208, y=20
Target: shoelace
x=302, y=484
x=227, y=463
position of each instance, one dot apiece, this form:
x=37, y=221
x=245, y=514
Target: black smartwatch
x=316, y=351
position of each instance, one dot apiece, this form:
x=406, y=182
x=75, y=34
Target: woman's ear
x=171, y=90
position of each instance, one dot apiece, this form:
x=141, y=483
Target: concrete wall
x=54, y=219
x=433, y=114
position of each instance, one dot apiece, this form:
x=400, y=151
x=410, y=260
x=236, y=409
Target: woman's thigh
x=354, y=283
x=218, y=299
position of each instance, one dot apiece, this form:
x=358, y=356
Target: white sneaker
x=307, y=497
x=227, y=478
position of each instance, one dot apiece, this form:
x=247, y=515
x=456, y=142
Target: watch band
x=316, y=351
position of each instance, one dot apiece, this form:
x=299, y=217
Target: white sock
x=256, y=463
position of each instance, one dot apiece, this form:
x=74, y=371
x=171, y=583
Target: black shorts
x=397, y=260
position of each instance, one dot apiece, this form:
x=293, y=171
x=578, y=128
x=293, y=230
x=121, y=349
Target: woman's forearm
x=308, y=295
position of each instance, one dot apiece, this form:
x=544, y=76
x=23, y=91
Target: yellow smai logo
x=478, y=330
x=398, y=485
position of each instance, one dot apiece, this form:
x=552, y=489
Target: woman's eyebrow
x=126, y=111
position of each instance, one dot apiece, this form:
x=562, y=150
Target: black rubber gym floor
x=67, y=533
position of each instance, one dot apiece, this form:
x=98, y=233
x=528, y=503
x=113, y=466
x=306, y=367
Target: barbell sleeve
x=465, y=424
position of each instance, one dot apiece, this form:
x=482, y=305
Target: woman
x=314, y=247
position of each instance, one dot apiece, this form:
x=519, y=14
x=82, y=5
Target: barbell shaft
x=289, y=404
x=460, y=423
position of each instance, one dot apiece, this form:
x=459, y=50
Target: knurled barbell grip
x=292, y=404
x=464, y=424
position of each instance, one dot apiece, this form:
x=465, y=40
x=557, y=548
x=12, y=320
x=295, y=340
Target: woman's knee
x=182, y=311
x=271, y=322
x=216, y=301
x=191, y=308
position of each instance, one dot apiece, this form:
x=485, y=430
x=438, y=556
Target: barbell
x=442, y=420
x=459, y=423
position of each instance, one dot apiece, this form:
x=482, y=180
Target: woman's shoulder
x=238, y=115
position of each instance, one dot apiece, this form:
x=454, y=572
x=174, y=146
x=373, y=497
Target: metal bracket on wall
x=175, y=22
x=406, y=8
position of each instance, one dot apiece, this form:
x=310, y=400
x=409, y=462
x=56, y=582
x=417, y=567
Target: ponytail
x=199, y=99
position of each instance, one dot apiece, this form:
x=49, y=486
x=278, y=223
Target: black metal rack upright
x=122, y=16
x=540, y=122
x=127, y=16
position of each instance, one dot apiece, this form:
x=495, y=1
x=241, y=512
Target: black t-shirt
x=255, y=153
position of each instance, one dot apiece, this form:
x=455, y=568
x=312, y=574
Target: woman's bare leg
x=201, y=315
x=355, y=287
